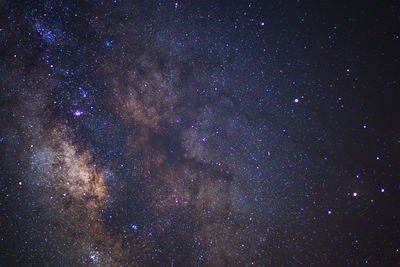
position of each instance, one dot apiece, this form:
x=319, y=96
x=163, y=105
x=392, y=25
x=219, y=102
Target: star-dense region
x=199, y=133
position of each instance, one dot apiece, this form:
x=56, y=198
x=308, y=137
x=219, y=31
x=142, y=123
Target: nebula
x=158, y=133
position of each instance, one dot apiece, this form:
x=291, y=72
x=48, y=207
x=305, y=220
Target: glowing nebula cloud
x=196, y=133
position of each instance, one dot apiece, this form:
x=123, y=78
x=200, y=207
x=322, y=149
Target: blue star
x=78, y=113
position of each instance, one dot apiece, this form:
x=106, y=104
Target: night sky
x=199, y=133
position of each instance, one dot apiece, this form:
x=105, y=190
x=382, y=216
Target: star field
x=199, y=133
